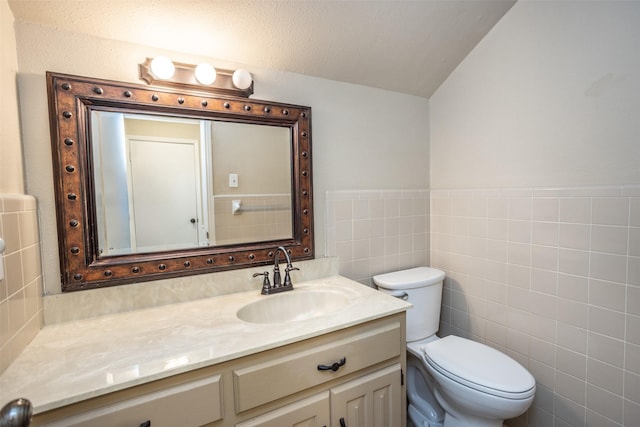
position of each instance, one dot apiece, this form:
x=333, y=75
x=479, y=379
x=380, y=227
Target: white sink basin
x=296, y=305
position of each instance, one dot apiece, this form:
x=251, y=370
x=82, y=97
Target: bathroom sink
x=296, y=305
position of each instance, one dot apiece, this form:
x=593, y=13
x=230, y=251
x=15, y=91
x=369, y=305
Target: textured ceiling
x=403, y=46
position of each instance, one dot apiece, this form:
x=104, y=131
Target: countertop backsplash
x=119, y=299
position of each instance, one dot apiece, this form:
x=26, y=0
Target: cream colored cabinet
x=267, y=378
x=310, y=412
x=353, y=374
x=359, y=394
x=373, y=400
x=194, y=403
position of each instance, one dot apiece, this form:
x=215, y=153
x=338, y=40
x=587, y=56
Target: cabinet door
x=310, y=412
x=373, y=400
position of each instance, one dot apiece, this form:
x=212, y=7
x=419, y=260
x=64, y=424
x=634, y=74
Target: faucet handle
x=266, y=284
x=287, y=278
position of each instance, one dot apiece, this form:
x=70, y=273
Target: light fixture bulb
x=205, y=74
x=241, y=79
x=162, y=67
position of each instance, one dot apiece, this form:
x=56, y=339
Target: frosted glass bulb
x=205, y=74
x=241, y=79
x=162, y=67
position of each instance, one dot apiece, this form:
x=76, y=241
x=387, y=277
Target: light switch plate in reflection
x=233, y=180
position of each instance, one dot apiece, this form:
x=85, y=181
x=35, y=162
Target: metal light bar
x=184, y=78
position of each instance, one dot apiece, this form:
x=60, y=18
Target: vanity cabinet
x=351, y=376
x=373, y=400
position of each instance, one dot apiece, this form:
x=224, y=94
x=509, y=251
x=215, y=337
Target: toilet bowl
x=423, y=410
x=453, y=381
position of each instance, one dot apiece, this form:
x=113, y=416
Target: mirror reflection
x=165, y=183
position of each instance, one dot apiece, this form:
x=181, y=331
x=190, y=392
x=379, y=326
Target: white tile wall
x=377, y=231
x=21, y=288
x=551, y=277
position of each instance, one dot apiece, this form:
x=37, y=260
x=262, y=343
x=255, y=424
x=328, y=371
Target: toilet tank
x=422, y=287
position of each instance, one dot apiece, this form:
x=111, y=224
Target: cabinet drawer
x=187, y=405
x=313, y=411
x=272, y=379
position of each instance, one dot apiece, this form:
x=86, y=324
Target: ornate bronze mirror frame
x=72, y=102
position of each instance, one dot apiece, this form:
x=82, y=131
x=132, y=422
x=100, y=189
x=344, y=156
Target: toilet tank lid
x=409, y=279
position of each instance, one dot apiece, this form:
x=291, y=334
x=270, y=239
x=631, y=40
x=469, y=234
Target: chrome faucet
x=278, y=286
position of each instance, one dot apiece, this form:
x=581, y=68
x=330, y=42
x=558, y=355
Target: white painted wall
x=548, y=98
x=20, y=287
x=11, y=172
x=363, y=138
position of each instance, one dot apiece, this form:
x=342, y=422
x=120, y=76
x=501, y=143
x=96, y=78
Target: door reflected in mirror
x=164, y=183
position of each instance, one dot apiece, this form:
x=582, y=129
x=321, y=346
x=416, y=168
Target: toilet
x=452, y=381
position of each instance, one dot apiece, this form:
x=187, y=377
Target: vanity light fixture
x=241, y=78
x=161, y=71
x=162, y=67
x=205, y=74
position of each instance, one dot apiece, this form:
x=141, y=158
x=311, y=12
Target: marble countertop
x=74, y=361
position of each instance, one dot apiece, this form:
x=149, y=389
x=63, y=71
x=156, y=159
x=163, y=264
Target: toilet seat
x=479, y=367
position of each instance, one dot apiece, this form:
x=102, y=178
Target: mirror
x=153, y=183
x=164, y=183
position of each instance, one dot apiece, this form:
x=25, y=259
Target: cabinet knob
x=342, y=423
x=146, y=424
x=16, y=413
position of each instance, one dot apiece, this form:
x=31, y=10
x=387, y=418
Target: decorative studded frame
x=71, y=100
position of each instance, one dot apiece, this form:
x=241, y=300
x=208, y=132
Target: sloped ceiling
x=403, y=46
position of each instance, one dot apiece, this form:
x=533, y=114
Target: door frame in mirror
x=71, y=99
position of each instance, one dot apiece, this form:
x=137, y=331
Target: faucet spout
x=286, y=254
x=277, y=281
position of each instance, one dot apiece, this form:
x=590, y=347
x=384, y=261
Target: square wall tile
x=575, y=210
x=610, y=211
x=546, y=209
x=609, y=239
x=605, y=403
